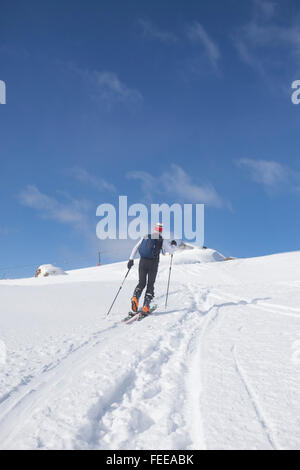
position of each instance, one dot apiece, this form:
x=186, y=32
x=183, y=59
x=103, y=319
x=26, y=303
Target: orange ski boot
x=134, y=304
x=147, y=301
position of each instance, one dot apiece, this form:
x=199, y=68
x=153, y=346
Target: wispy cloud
x=264, y=9
x=150, y=31
x=197, y=34
x=111, y=88
x=259, y=40
x=107, y=86
x=74, y=213
x=71, y=211
x=247, y=55
x=150, y=184
x=177, y=183
x=270, y=174
x=273, y=176
x=98, y=183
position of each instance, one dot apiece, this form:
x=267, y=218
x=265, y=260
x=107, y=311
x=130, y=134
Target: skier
x=149, y=248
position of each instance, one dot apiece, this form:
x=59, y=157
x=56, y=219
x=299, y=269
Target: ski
x=144, y=315
x=139, y=315
x=131, y=317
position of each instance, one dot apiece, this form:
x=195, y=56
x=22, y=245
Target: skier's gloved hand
x=173, y=243
x=130, y=264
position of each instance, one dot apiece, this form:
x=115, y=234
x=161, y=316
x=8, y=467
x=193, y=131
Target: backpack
x=148, y=248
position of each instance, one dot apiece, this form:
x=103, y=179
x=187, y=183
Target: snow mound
x=196, y=254
x=49, y=270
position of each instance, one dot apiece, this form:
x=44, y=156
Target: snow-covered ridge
x=53, y=274
x=197, y=255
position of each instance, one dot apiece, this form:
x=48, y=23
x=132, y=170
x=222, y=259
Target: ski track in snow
x=50, y=366
x=259, y=304
x=19, y=402
x=147, y=385
x=260, y=413
x=137, y=397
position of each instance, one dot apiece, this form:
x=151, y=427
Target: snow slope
x=218, y=370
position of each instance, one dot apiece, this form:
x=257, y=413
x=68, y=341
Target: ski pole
x=118, y=293
x=168, y=282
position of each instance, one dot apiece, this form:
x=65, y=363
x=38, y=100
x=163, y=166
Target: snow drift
x=198, y=255
x=48, y=270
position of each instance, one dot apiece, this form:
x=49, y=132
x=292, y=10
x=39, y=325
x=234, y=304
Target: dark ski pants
x=147, y=275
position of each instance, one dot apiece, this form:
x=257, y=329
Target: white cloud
x=107, y=87
x=264, y=8
x=152, y=32
x=270, y=174
x=197, y=33
x=247, y=55
x=260, y=41
x=177, y=183
x=271, y=35
x=111, y=88
x=150, y=184
x=72, y=212
x=98, y=183
x=76, y=214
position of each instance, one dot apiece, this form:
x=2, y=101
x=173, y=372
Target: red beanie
x=158, y=227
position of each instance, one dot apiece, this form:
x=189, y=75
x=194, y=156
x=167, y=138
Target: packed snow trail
x=218, y=370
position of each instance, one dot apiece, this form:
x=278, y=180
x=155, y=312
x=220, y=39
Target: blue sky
x=169, y=101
